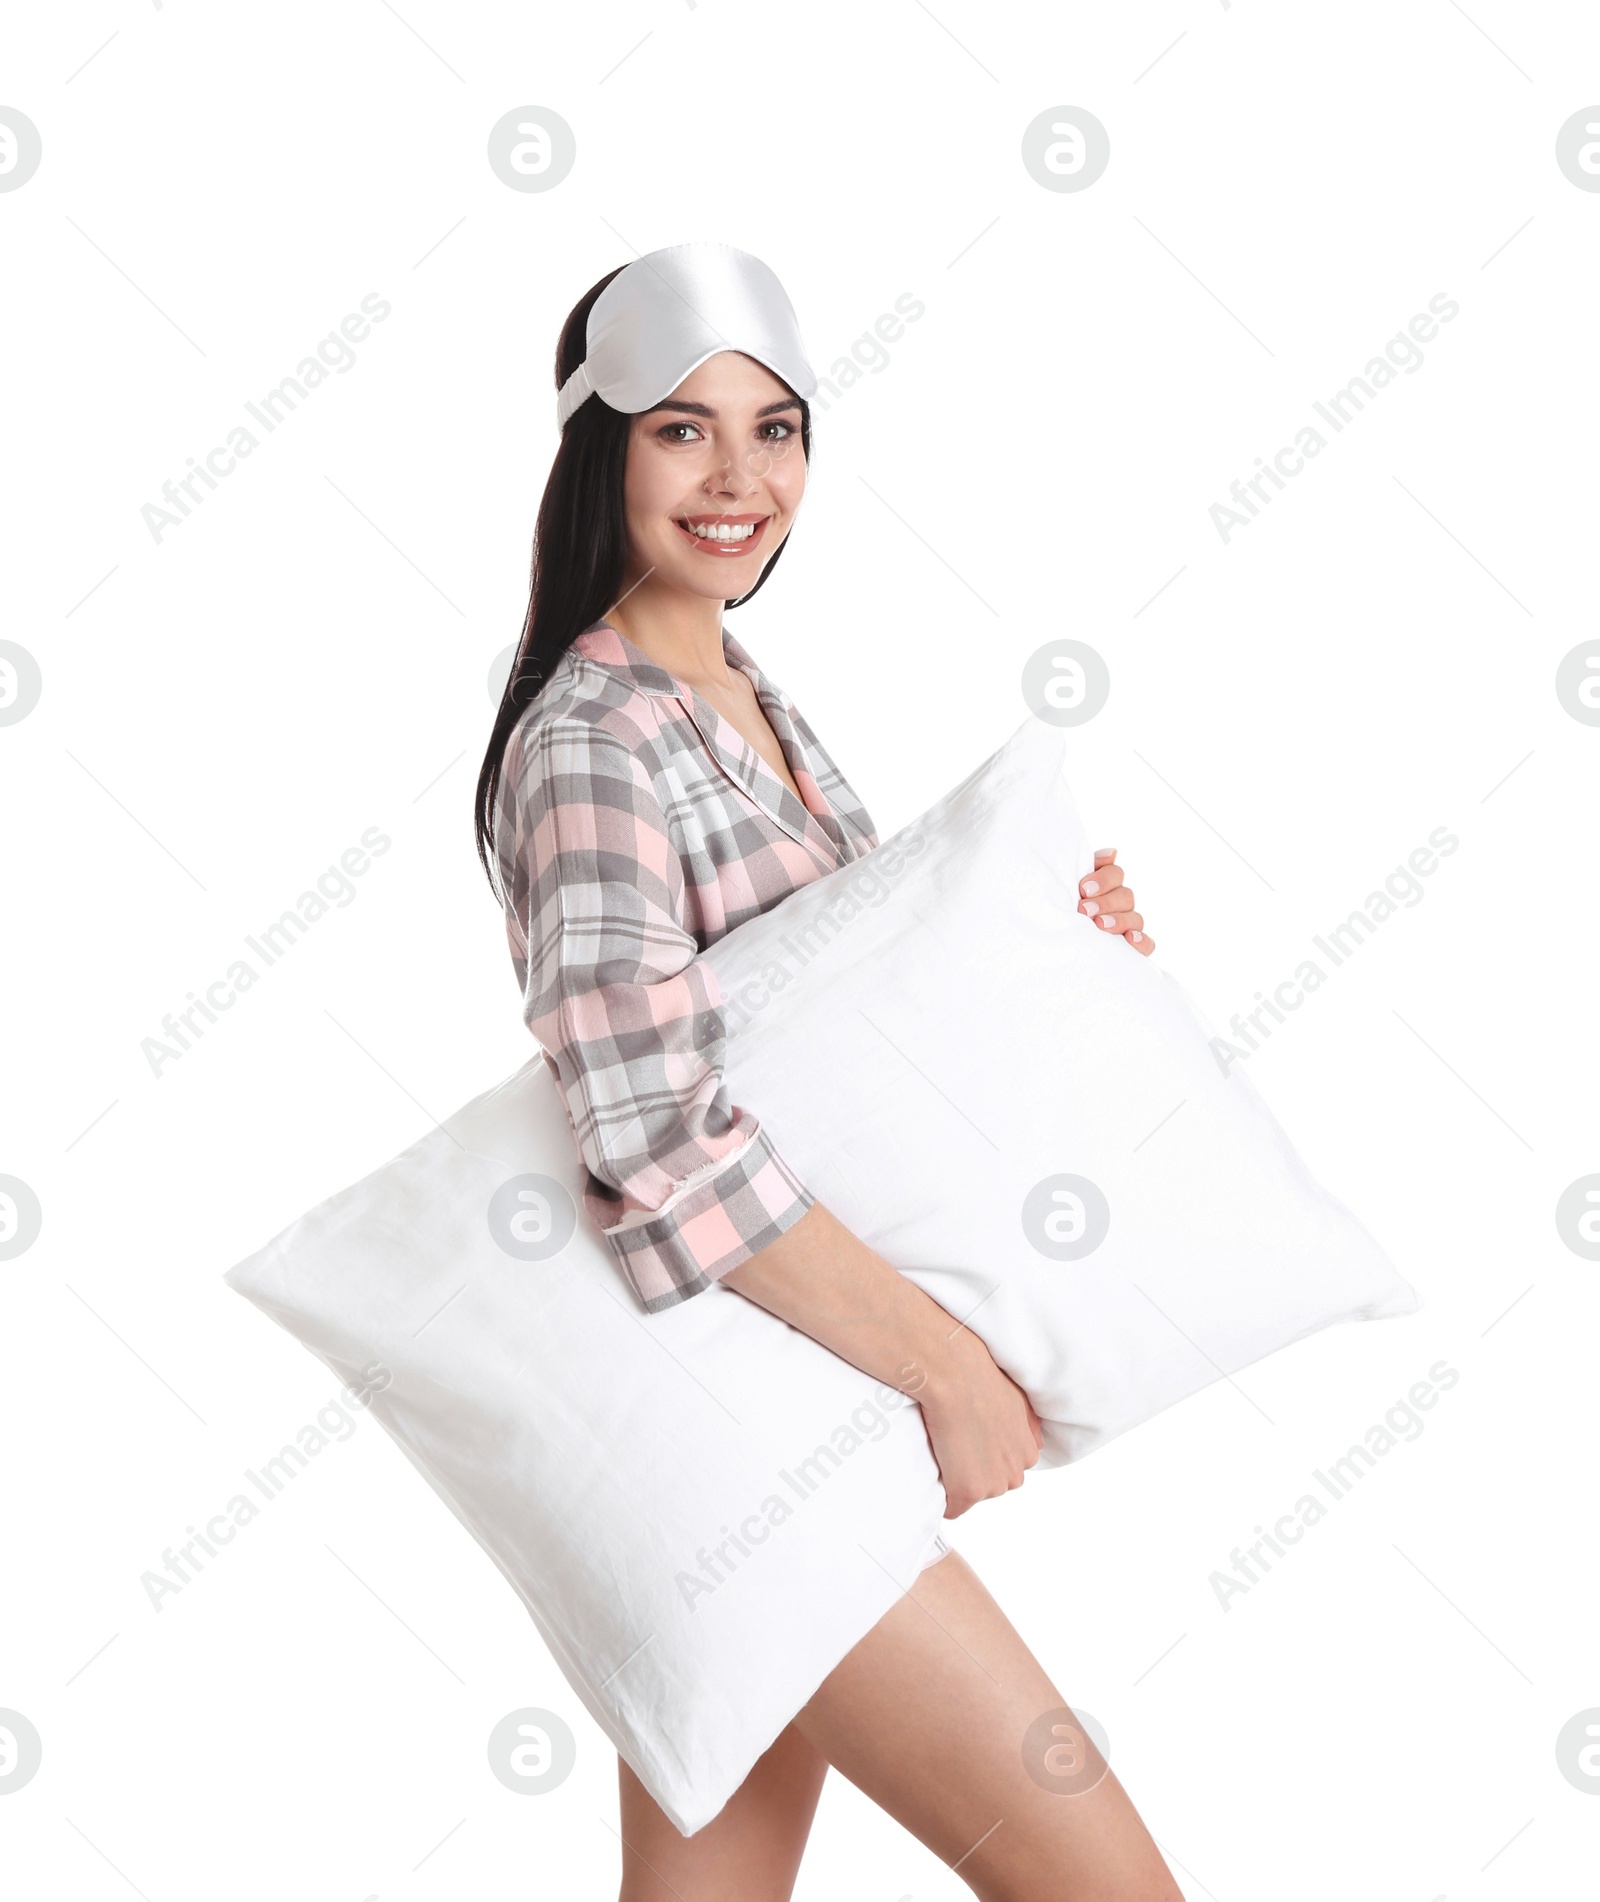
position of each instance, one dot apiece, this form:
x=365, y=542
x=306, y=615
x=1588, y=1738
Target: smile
x=722, y=535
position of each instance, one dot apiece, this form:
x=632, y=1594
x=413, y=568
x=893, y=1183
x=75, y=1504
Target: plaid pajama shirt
x=635, y=827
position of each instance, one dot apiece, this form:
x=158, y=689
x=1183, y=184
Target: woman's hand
x=1103, y=897
x=827, y=1282
x=981, y=1425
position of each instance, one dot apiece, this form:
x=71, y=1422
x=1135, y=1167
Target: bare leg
x=748, y=1852
x=930, y=1716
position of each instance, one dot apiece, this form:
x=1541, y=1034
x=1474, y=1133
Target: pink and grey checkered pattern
x=635, y=827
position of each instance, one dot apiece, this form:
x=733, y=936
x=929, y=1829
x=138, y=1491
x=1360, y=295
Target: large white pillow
x=704, y=1509
x=613, y=1462
x=1026, y=1116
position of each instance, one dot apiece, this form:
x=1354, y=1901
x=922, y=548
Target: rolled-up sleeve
x=684, y=1184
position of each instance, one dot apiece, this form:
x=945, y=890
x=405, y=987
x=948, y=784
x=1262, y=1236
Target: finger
x=1103, y=878
x=1119, y=900
x=1104, y=854
x=1142, y=942
x=1120, y=921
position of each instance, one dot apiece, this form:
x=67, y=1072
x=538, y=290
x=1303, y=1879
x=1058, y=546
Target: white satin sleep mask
x=664, y=314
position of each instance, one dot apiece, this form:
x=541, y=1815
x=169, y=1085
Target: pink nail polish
x=1090, y=887
x=1090, y=908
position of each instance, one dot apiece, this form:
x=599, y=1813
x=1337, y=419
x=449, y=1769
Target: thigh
x=749, y=1851
x=937, y=1715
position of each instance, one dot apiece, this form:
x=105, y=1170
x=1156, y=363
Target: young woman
x=647, y=789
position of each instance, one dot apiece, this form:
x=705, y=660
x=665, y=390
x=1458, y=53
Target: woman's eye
x=665, y=432
x=786, y=430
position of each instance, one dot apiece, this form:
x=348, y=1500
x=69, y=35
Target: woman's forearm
x=826, y=1281
x=822, y=1279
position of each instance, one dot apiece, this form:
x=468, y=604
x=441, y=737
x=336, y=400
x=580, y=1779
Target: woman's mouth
x=725, y=536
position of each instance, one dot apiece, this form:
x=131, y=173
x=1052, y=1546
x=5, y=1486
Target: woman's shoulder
x=593, y=704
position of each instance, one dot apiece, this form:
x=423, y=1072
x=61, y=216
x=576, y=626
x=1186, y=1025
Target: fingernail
x=1137, y=936
x=1090, y=887
x=1089, y=907
x=1109, y=922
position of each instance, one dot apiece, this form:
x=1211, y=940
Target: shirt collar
x=612, y=648
x=821, y=834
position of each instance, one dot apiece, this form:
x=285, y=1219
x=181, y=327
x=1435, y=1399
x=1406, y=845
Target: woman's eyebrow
x=705, y=409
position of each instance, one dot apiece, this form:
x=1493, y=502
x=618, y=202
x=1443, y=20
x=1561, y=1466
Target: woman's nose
x=729, y=478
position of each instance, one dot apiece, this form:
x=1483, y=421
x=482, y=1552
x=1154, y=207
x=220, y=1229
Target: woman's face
x=714, y=477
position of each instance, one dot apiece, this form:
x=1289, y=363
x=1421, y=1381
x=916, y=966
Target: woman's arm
x=827, y=1282
x=683, y=1183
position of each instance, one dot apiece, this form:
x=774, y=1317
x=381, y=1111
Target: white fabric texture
x=601, y=1455
x=703, y=1509
x=937, y=1034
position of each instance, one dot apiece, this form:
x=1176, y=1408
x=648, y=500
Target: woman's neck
x=680, y=632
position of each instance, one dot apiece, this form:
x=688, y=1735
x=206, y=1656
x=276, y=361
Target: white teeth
x=722, y=531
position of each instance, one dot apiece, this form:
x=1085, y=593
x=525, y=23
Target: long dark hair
x=579, y=548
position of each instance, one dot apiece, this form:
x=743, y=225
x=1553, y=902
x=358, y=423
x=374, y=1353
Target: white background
x=1293, y=710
